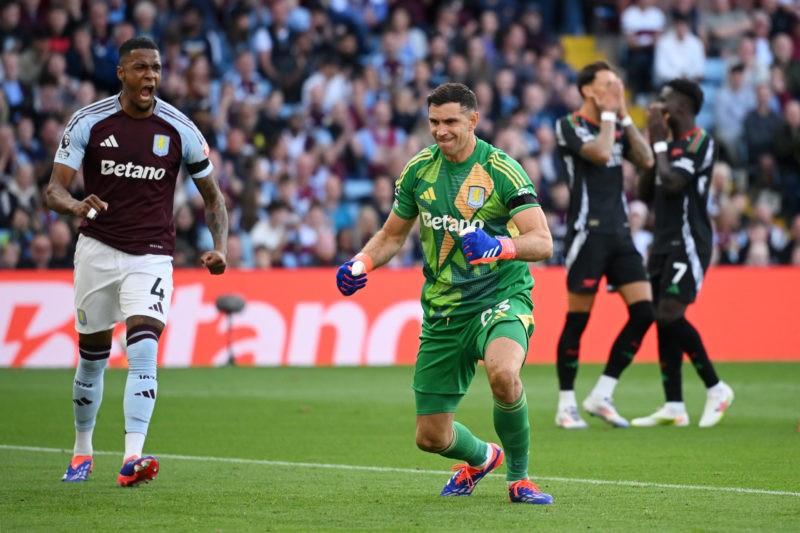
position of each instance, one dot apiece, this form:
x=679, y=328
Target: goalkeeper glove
x=480, y=247
x=346, y=282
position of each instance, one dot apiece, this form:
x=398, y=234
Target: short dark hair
x=679, y=16
x=589, y=72
x=137, y=43
x=690, y=89
x=459, y=93
x=276, y=205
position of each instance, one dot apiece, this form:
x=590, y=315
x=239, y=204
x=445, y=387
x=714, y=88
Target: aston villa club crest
x=161, y=145
x=476, y=197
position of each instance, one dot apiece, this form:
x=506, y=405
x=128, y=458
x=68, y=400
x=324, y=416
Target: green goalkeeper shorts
x=450, y=349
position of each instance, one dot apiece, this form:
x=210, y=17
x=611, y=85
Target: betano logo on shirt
x=129, y=170
x=449, y=223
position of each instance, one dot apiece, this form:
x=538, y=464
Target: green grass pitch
x=332, y=449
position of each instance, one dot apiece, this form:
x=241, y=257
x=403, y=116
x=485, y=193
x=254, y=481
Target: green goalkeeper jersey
x=484, y=191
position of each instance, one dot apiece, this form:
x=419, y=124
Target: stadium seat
x=639, y=115
x=580, y=50
x=709, y=91
x=705, y=118
x=715, y=71
x=357, y=189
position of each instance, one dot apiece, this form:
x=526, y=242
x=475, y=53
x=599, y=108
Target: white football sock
x=719, y=387
x=489, y=452
x=83, y=442
x=134, y=443
x=566, y=398
x=605, y=387
x=676, y=407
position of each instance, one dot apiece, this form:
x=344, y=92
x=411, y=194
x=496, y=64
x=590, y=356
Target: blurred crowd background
x=312, y=108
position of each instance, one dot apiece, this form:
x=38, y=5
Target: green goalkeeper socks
x=465, y=446
x=514, y=429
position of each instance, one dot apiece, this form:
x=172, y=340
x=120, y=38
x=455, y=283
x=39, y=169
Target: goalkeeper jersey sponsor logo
x=448, y=223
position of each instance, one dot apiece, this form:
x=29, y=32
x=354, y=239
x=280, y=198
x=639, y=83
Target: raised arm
x=611, y=104
x=378, y=251
x=640, y=155
x=601, y=148
x=534, y=242
x=217, y=222
x=672, y=180
x=388, y=241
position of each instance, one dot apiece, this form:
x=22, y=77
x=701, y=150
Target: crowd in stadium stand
x=312, y=108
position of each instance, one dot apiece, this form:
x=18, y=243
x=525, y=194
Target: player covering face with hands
x=131, y=146
x=592, y=143
x=681, y=250
x=480, y=224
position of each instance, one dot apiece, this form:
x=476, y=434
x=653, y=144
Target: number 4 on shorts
x=156, y=291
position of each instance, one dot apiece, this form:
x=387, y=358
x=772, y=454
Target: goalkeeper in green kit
x=480, y=225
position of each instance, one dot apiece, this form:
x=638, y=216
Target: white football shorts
x=111, y=286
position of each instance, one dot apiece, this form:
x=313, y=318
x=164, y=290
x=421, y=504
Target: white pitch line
x=265, y=462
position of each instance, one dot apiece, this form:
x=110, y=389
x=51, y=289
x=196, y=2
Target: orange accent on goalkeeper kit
x=369, y=264
x=509, y=249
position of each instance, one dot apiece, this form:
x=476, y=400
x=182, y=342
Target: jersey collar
x=587, y=119
x=696, y=129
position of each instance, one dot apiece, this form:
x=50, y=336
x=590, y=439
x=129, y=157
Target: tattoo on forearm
x=216, y=212
x=217, y=222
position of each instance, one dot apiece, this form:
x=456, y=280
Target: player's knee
x=94, y=353
x=641, y=316
x=576, y=322
x=506, y=385
x=142, y=332
x=95, y=346
x=142, y=348
x=667, y=314
x=665, y=319
x=432, y=441
x=430, y=446
x=434, y=434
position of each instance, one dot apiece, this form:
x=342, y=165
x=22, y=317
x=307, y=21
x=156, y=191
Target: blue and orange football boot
x=466, y=477
x=79, y=469
x=137, y=470
x=526, y=491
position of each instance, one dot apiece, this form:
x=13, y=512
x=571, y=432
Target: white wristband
x=608, y=116
x=660, y=147
x=626, y=121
